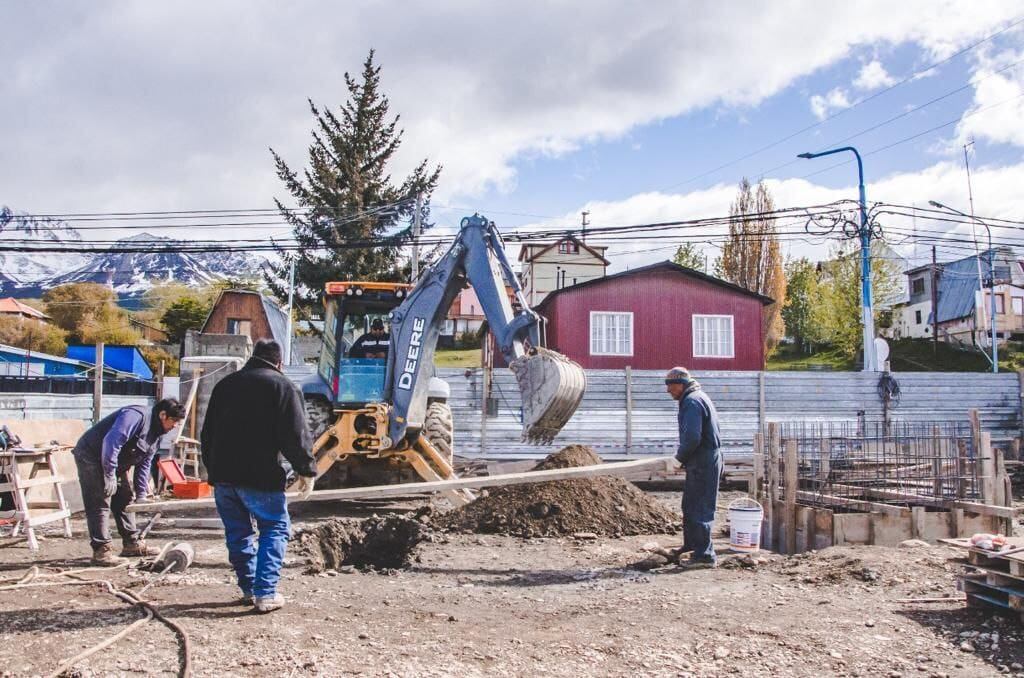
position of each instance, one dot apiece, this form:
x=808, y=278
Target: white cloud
x=873, y=76
x=996, y=194
x=823, y=106
x=131, y=105
x=998, y=107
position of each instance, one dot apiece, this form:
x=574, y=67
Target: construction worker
x=124, y=439
x=374, y=344
x=255, y=417
x=699, y=442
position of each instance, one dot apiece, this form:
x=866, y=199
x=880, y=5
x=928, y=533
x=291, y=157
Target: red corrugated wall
x=663, y=303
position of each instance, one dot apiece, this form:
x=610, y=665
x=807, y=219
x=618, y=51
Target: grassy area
x=786, y=357
x=908, y=355
x=467, y=357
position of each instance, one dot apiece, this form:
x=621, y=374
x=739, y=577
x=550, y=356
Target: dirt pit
x=378, y=543
x=604, y=506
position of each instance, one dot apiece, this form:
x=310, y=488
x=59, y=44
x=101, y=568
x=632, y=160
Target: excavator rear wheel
x=319, y=415
x=439, y=429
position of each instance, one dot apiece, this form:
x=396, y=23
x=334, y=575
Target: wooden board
x=597, y=470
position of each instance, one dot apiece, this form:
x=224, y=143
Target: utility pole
x=867, y=313
x=416, y=238
x=585, y=224
x=935, y=304
x=291, y=302
x=992, y=281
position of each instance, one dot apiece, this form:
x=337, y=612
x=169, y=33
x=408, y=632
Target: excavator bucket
x=552, y=387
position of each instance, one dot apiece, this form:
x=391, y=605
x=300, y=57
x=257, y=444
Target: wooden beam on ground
x=405, y=489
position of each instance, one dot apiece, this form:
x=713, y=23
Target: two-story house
x=548, y=267
x=963, y=297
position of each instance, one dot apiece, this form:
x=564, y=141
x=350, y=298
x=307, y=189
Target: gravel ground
x=485, y=605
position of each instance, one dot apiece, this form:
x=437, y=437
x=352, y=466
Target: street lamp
x=864, y=232
x=991, y=275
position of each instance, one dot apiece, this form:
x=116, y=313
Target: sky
x=636, y=113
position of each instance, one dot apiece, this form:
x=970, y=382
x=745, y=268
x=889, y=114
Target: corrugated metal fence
x=14, y=406
x=628, y=413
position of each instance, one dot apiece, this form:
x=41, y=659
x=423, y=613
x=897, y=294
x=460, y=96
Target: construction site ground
x=477, y=605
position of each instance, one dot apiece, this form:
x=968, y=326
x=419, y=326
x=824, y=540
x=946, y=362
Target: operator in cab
x=374, y=344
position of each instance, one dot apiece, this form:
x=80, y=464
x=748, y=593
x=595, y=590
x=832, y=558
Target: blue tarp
x=125, y=359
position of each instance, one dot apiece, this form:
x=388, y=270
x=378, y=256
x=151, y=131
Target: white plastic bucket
x=745, y=516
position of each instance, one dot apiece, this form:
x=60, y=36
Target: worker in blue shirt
x=699, y=442
x=124, y=439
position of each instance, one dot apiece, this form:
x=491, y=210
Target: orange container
x=192, y=489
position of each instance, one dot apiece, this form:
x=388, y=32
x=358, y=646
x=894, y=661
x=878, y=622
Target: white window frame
x=590, y=332
x=732, y=336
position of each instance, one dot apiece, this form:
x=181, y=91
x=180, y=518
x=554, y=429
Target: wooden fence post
x=771, y=533
x=629, y=408
x=789, y=489
x=987, y=470
x=754, y=488
x=97, y=384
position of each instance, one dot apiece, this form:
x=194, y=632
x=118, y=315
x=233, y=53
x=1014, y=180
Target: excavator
x=375, y=415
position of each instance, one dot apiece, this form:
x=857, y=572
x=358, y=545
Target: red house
x=655, y=317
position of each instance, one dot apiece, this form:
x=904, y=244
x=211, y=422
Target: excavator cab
x=353, y=358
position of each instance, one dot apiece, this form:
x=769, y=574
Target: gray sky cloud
x=141, y=105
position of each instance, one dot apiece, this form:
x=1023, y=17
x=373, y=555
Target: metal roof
x=958, y=283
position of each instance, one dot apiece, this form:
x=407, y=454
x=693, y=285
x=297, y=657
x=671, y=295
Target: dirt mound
x=604, y=506
x=380, y=543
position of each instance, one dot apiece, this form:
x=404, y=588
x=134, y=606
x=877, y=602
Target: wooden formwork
x=798, y=520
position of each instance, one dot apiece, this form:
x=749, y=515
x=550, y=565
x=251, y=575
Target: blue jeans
x=700, y=498
x=258, y=570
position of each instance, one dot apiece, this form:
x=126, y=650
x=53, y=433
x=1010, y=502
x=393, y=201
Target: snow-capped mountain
x=25, y=274
x=18, y=269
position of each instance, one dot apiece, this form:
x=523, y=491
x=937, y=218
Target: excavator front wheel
x=439, y=429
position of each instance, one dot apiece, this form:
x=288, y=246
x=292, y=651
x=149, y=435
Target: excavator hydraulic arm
x=551, y=385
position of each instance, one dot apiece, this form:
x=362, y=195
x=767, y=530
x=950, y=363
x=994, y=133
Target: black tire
x=319, y=415
x=439, y=429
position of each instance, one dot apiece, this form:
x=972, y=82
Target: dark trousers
x=98, y=508
x=700, y=497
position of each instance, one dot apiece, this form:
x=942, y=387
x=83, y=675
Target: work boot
x=692, y=563
x=137, y=549
x=269, y=603
x=104, y=556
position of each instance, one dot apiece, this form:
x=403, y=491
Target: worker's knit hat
x=678, y=375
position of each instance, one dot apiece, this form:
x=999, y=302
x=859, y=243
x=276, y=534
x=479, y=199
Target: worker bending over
x=699, y=442
x=255, y=416
x=124, y=439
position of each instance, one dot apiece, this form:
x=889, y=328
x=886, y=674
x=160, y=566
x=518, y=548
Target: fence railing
x=627, y=413
x=75, y=385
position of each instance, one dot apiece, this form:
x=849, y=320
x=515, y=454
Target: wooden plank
x=988, y=470
x=771, y=535
x=895, y=495
x=597, y=470
x=754, y=488
x=790, y=490
x=917, y=530
x=854, y=504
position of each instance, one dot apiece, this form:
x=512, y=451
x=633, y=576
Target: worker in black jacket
x=256, y=416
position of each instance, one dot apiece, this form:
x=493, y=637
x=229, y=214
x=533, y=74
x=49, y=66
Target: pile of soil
x=602, y=506
x=379, y=543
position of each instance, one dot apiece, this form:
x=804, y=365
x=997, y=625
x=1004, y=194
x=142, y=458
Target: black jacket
x=253, y=415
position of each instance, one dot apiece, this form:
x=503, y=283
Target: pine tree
x=345, y=198
x=690, y=256
x=752, y=257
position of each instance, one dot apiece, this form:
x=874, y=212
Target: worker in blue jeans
x=698, y=452
x=255, y=417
